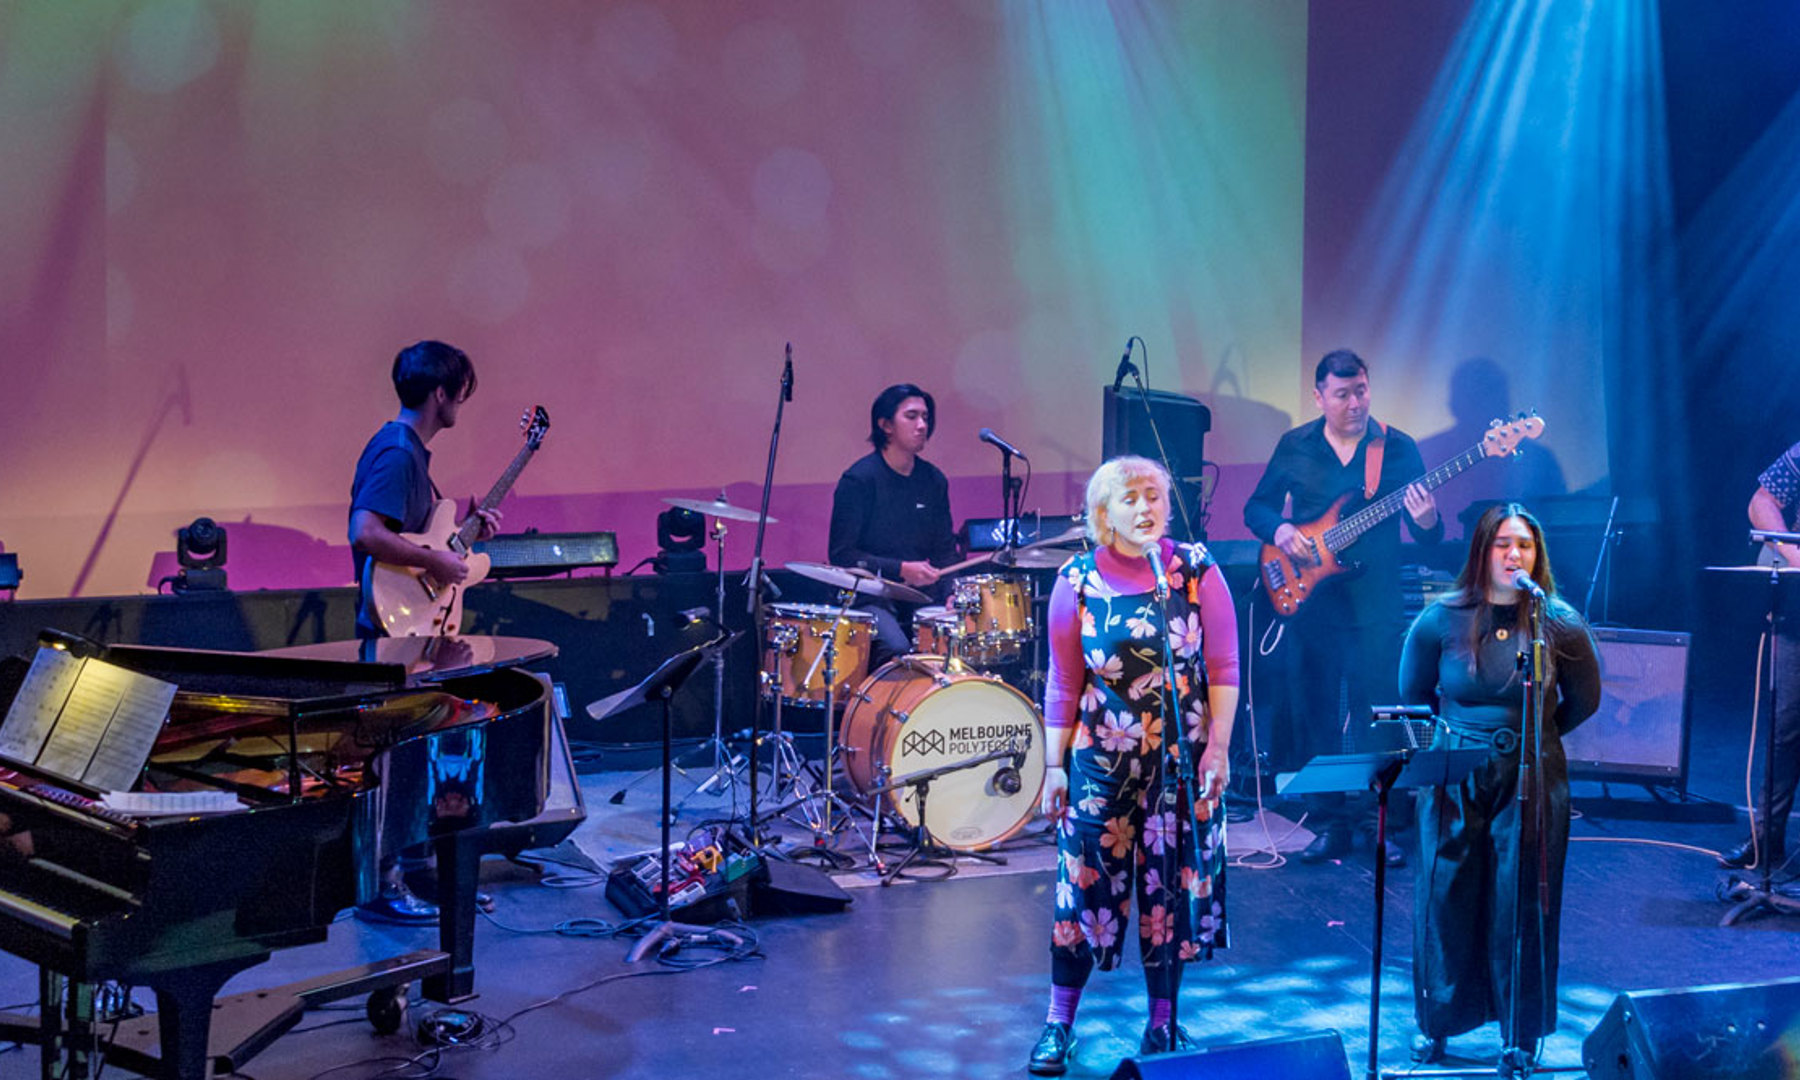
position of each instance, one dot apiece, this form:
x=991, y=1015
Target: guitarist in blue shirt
x=393, y=493
x=1346, y=638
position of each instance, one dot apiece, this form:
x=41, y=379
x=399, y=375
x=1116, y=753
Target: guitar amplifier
x=535, y=554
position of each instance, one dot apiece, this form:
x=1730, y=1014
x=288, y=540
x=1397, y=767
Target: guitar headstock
x=534, y=424
x=1504, y=436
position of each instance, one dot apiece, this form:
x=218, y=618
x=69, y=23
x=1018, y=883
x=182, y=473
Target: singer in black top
x=891, y=512
x=1481, y=847
x=1776, y=508
x=1345, y=641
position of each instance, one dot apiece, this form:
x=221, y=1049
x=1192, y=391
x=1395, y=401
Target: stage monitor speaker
x=1639, y=733
x=1183, y=422
x=1745, y=1031
x=1316, y=1056
x=789, y=888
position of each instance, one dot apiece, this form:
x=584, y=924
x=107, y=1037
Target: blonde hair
x=1113, y=477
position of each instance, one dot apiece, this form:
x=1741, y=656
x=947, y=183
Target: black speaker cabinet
x=1317, y=1056
x=1640, y=731
x=1734, y=1032
x=1183, y=423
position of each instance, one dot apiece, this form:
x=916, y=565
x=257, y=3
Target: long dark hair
x=1471, y=584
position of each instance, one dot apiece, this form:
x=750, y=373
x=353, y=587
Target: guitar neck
x=471, y=525
x=1351, y=529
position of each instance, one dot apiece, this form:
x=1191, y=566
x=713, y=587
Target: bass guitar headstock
x=1504, y=437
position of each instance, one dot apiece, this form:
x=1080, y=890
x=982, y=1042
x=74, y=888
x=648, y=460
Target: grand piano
x=333, y=762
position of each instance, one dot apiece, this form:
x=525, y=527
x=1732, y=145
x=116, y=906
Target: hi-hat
x=859, y=581
x=717, y=508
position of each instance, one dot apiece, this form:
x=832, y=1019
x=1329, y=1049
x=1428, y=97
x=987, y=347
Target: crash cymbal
x=1074, y=534
x=1033, y=557
x=859, y=581
x=717, y=508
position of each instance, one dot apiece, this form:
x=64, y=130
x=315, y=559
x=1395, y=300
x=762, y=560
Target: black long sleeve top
x=880, y=518
x=1489, y=695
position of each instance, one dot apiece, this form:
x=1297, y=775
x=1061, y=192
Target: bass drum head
x=924, y=717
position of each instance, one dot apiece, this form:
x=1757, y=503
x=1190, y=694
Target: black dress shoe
x=1743, y=857
x=1050, y=1057
x=1156, y=1039
x=1333, y=843
x=399, y=907
x=1427, y=1049
x=1516, y=1063
x=1393, y=853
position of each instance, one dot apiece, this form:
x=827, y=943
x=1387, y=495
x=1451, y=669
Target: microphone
x=988, y=436
x=787, y=375
x=1154, y=554
x=1522, y=582
x=1126, y=367
x=1007, y=780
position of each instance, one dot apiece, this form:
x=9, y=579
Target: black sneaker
x=1050, y=1057
x=1156, y=1039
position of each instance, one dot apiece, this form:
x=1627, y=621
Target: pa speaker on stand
x=1182, y=422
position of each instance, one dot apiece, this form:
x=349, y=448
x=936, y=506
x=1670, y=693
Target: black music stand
x=1380, y=772
x=1747, y=898
x=661, y=685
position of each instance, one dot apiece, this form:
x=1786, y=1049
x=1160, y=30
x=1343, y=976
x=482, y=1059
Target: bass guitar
x=407, y=601
x=1291, y=582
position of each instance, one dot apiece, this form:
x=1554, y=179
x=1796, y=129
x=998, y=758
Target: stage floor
x=949, y=978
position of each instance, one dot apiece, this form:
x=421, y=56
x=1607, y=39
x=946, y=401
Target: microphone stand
x=1532, y=663
x=1183, y=784
x=1606, y=541
x=1187, y=523
x=755, y=582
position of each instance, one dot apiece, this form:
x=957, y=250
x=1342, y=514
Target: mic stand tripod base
x=1749, y=899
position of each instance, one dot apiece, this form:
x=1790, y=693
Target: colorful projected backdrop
x=221, y=220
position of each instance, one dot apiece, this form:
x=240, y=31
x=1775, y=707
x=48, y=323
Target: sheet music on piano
x=85, y=719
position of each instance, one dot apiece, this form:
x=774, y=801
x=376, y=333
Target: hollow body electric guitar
x=407, y=601
x=1291, y=582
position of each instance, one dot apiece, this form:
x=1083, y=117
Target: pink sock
x=1160, y=1010
x=1063, y=1000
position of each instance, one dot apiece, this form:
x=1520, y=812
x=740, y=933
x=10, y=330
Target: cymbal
x=717, y=508
x=1033, y=557
x=859, y=581
x=1074, y=534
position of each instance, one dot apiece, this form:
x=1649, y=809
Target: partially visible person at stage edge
x=1346, y=636
x=391, y=494
x=891, y=512
x=1776, y=508
x=1123, y=836
x=1480, y=849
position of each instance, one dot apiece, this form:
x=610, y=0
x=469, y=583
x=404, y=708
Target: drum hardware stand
x=725, y=763
x=925, y=851
x=1749, y=899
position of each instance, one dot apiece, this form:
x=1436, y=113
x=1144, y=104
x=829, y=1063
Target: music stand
x=661, y=685
x=1748, y=899
x=1381, y=772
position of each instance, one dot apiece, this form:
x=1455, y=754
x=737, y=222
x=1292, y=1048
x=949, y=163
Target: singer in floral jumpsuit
x=1122, y=835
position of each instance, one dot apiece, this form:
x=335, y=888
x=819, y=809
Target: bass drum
x=913, y=715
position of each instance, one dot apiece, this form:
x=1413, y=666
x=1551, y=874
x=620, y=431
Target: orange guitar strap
x=1372, y=460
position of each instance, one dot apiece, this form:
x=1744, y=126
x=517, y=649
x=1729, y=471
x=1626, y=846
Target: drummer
x=891, y=512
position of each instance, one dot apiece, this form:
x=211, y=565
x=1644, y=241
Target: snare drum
x=914, y=714
x=794, y=651
x=996, y=616
x=937, y=631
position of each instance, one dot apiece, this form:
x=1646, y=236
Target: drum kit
x=940, y=718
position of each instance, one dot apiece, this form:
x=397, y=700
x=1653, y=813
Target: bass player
x=1346, y=639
